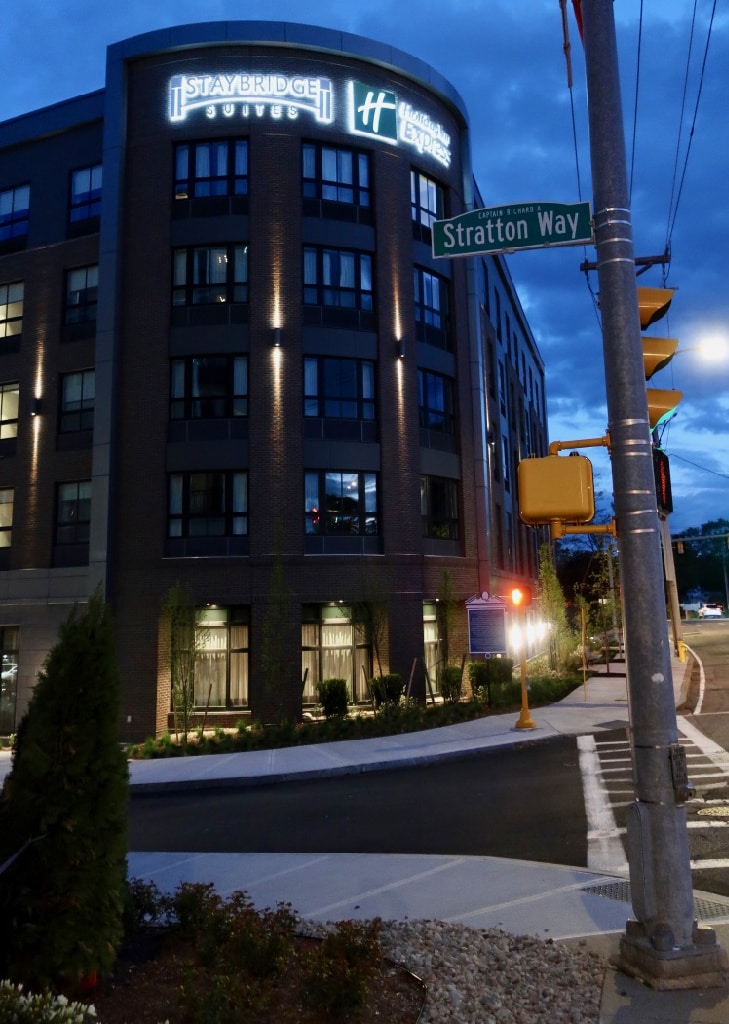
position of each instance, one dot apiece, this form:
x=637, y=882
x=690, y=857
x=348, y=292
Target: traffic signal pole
x=663, y=945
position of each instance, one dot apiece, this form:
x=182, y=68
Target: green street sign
x=508, y=228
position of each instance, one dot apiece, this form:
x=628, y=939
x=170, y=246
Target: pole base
x=525, y=721
x=704, y=964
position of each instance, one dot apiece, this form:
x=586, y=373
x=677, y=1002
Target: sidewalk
x=520, y=897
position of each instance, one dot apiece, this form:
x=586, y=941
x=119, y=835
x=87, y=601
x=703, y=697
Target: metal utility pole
x=664, y=945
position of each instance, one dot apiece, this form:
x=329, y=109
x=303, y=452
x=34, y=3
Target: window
x=77, y=401
x=334, y=277
x=339, y=388
x=14, y=212
x=208, y=387
x=435, y=402
x=9, y=394
x=431, y=299
x=208, y=504
x=8, y=678
x=85, y=193
x=81, y=294
x=333, y=646
x=439, y=507
x=7, y=497
x=426, y=204
x=11, y=309
x=341, y=504
x=217, y=168
x=336, y=175
x=221, y=664
x=73, y=512
x=210, y=274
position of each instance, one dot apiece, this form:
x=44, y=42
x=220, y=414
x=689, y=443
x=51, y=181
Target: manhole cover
x=714, y=812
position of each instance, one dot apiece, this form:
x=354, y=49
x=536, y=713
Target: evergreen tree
x=63, y=815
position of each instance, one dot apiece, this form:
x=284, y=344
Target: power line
x=696, y=465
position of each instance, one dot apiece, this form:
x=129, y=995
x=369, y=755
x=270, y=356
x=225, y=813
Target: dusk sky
x=506, y=59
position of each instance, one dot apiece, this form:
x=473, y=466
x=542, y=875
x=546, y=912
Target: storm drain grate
x=706, y=909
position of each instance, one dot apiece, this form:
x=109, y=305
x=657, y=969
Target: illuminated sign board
x=377, y=113
x=246, y=93
x=374, y=113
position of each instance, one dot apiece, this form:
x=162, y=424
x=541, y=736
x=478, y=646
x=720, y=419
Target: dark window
x=335, y=277
x=81, y=294
x=431, y=299
x=9, y=394
x=336, y=175
x=14, y=212
x=339, y=388
x=210, y=274
x=73, y=512
x=208, y=504
x=217, y=168
x=341, y=504
x=85, y=193
x=208, y=387
x=221, y=663
x=7, y=498
x=439, y=507
x=426, y=204
x=77, y=401
x=11, y=309
x=9, y=679
x=435, y=402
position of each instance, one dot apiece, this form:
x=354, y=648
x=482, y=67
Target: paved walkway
x=521, y=897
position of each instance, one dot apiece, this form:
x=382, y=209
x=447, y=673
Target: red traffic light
x=520, y=596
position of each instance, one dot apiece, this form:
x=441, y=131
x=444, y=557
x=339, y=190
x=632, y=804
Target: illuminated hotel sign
x=379, y=114
x=374, y=113
x=245, y=94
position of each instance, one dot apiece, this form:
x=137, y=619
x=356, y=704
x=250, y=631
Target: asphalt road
x=524, y=802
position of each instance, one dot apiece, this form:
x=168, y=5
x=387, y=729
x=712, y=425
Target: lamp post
x=518, y=599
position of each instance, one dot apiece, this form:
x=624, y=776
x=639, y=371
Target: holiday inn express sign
x=507, y=228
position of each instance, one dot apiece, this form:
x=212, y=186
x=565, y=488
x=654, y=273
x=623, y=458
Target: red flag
x=577, y=4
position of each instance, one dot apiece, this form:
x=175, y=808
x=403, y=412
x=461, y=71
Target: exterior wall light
x=277, y=337
x=35, y=407
x=400, y=349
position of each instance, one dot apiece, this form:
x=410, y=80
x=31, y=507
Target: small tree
x=552, y=607
x=63, y=815
x=186, y=640
x=445, y=617
x=369, y=615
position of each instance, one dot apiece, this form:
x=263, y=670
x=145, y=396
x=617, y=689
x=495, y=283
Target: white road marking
x=604, y=849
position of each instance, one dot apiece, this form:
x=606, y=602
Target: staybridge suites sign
x=499, y=229
x=375, y=113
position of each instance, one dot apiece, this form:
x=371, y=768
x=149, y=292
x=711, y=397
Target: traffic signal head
x=653, y=304
x=520, y=596
x=661, y=405
x=657, y=353
x=555, y=488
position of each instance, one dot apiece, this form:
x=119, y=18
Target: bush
x=63, y=810
x=341, y=968
x=484, y=676
x=333, y=697
x=450, y=683
x=387, y=689
x=21, y=1007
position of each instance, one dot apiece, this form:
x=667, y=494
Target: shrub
x=450, y=683
x=63, y=810
x=21, y=1007
x=341, y=968
x=484, y=676
x=387, y=689
x=333, y=697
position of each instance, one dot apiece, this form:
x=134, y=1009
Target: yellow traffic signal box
x=556, y=489
x=653, y=304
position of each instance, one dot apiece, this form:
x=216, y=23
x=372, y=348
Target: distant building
x=229, y=359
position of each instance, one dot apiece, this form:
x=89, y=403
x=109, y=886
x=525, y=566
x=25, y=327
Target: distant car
x=710, y=611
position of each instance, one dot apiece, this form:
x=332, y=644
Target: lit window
x=7, y=497
x=11, y=309
x=426, y=204
x=335, y=175
x=221, y=661
x=9, y=394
